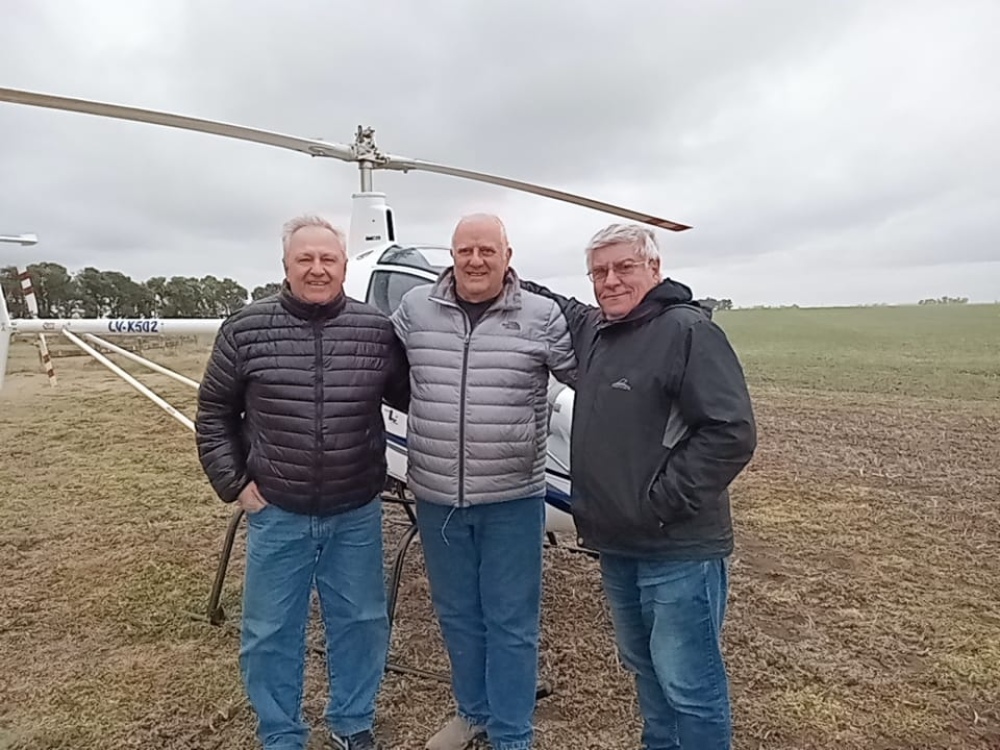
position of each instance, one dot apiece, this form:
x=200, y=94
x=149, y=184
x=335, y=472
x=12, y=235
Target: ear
x=655, y=265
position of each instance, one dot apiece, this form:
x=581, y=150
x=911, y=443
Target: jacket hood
x=668, y=293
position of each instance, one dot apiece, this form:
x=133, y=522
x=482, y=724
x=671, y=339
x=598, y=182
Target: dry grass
x=865, y=610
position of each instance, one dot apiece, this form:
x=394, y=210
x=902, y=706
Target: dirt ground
x=864, y=611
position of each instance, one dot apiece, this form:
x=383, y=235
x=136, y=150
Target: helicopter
x=381, y=269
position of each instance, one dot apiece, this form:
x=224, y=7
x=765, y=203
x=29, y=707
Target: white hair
x=309, y=220
x=640, y=238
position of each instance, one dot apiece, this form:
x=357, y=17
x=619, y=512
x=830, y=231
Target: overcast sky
x=826, y=152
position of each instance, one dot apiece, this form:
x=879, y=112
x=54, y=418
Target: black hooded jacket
x=662, y=424
x=292, y=399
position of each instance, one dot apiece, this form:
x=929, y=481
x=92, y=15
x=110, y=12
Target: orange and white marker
x=29, y=298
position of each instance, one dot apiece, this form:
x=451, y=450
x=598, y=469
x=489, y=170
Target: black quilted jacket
x=291, y=399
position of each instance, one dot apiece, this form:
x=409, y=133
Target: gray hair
x=309, y=220
x=640, y=238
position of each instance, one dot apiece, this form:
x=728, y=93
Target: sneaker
x=457, y=734
x=361, y=741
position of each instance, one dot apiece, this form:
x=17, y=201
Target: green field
x=948, y=351
x=865, y=602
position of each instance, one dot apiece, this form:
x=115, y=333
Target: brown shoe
x=457, y=734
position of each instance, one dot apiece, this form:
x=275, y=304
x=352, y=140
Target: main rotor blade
x=20, y=239
x=306, y=146
x=404, y=164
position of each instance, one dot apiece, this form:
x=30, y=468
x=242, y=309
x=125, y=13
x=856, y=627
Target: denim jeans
x=484, y=564
x=286, y=553
x=667, y=618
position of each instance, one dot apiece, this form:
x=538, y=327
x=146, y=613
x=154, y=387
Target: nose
x=316, y=268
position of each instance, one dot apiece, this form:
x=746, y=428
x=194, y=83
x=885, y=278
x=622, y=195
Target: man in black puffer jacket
x=662, y=424
x=290, y=427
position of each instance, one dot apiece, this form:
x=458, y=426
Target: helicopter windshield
x=434, y=259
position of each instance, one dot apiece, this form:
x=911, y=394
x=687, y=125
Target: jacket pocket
x=666, y=508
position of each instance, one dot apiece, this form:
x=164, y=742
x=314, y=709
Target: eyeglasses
x=622, y=269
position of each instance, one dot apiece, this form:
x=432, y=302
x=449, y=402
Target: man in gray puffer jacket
x=481, y=351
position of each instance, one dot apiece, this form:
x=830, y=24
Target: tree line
x=93, y=293
x=944, y=301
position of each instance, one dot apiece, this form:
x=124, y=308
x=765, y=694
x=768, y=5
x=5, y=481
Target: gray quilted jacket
x=477, y=425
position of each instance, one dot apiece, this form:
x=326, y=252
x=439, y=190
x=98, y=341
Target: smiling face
x=315, y=265
x=481, y=254
x=621, y=278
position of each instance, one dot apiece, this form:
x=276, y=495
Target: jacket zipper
x=461, y=394
x=318, y=424
x=461, y=409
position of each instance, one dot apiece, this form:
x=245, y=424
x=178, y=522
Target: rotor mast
x=368, y=156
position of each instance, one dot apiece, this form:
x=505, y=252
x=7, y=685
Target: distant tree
x=944, y=301
x=716, y=304
x=231, y=297
x=266, y=290
x=11, y=288
x=157, y=289
x=55, y=290
x=94, y=293
x=182, y=298
x=126, y=298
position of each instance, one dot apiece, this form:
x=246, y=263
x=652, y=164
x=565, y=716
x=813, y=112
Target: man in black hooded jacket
x=662, y=424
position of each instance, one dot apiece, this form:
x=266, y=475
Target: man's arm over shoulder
x=397, y=390
x=714, y=404
x=219, y=423
x=579, y=315
x=560, y=358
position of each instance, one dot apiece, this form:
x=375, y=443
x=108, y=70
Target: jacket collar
x=310, y=310
x=509, y=299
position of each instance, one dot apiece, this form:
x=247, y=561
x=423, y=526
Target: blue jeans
x=668, y=617
x=484, y=565
x=286, y=553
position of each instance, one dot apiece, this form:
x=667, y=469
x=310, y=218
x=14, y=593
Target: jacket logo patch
x=512, y=325
x=622, y=385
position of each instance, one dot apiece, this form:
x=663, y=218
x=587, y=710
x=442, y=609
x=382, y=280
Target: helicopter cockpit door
x=400, y=269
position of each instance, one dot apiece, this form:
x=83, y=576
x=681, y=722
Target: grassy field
x=865, y=605
x=921, y=351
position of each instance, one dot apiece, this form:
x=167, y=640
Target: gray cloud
x=793, y=135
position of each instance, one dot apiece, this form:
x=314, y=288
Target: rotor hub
x=364, y=148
